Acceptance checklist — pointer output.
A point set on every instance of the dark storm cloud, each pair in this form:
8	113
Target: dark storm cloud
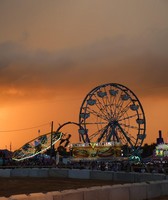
18	63
140	63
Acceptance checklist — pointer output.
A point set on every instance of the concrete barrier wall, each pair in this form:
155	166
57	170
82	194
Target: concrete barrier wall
138	191
56	172
124	176
99	175
131	177
20	172
141	177
80	174
133	191
5	172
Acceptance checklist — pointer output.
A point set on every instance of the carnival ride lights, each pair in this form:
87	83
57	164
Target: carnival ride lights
161	150
36	146
111	115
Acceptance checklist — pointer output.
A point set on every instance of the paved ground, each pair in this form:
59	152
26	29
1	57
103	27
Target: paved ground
11	186
160	198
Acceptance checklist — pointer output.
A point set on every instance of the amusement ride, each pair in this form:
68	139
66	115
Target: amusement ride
111	117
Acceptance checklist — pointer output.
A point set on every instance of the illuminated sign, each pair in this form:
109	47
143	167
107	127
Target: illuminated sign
94	150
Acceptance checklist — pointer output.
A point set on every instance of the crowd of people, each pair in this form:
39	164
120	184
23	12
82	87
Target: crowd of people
104	164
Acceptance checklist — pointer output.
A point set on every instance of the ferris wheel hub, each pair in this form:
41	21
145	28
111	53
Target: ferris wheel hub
113	122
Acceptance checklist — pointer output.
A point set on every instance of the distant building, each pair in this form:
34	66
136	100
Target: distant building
159	140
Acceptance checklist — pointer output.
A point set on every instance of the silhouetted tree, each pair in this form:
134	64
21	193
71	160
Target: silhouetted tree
148	150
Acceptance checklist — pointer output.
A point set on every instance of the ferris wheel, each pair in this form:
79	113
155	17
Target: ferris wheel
112	113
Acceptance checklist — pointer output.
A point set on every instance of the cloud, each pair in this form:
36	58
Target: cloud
139	63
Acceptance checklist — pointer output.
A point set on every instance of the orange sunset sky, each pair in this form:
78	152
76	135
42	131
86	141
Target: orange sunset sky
52	53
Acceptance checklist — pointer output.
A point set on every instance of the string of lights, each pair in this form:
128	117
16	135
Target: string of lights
23	129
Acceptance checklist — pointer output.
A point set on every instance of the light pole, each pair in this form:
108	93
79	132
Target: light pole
51	148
